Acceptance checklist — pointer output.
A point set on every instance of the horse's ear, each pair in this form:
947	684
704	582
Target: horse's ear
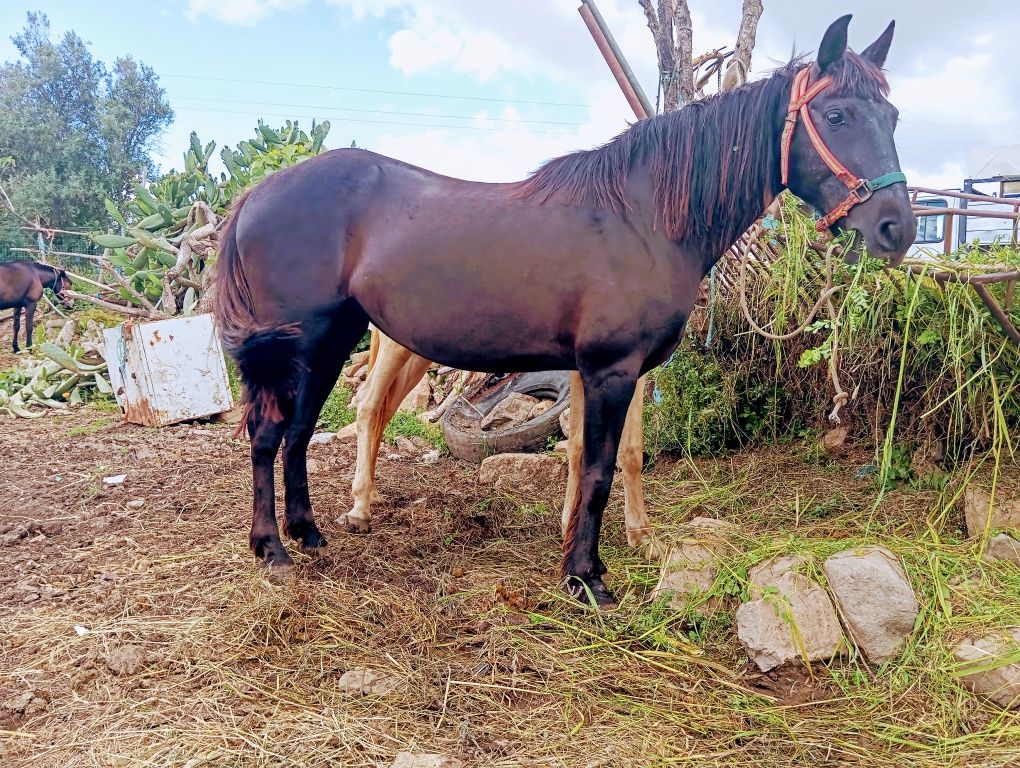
878	50
833	43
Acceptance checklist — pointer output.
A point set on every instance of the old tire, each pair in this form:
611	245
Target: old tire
466	439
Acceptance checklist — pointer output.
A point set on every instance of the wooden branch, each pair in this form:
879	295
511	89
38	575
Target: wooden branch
108	269
993	306
683	70
740	64
125	310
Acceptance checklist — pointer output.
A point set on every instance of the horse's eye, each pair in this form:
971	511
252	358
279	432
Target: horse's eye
834	117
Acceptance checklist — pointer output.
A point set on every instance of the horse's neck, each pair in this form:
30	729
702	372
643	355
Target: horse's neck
46	273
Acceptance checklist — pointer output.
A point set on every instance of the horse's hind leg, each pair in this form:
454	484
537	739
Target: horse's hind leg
384	385
325	357
17	327
639	530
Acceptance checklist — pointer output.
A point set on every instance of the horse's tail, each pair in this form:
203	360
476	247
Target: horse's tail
267	356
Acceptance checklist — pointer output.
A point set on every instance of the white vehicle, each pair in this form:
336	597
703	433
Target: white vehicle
984	211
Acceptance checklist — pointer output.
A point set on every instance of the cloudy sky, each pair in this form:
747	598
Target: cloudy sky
488	89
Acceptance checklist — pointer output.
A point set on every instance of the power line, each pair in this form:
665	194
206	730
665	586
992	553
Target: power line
377	90
374	111
375	122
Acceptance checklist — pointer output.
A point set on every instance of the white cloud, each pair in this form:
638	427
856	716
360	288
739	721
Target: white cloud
490	155
246	13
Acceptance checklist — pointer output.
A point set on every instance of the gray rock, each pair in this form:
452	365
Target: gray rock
790	616
771	573
512	411
983	515
992	677
412	760
1003	547
431	457
561	446
793	621
125	660
321	438
691	566
348	434
565	422
875	599
522	472
367	682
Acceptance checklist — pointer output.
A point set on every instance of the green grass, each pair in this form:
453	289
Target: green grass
337	413
409	425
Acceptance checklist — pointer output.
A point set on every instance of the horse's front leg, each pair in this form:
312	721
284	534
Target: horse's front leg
607	396
17	327
29	324
380	388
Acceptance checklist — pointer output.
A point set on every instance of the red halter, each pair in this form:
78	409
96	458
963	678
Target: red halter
800	95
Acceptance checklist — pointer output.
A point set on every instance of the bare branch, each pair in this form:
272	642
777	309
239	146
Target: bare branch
740	65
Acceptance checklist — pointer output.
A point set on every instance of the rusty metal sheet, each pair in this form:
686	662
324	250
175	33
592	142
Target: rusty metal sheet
167	371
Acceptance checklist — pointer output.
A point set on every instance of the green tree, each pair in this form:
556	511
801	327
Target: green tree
78	132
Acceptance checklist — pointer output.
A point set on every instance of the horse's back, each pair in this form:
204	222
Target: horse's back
18	285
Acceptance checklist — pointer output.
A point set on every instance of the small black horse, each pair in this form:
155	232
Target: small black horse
592	264
21	286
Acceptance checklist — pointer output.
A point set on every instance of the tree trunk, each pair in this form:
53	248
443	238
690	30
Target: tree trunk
739	66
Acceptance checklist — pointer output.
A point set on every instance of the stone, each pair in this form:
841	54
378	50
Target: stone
982	515
539	408
691	566
1003	547
366	682
794	620
992	676
565	422
562	446
412	760
322	438
135	504
20	702
834	438
512	411
875	599
348	434
775	573
431	457
417	399
314	466
125	660
519	473
413	444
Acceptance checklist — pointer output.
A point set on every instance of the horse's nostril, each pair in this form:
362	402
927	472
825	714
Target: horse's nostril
890	233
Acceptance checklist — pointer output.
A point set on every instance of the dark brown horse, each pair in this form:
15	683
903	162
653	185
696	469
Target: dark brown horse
593	263
21	286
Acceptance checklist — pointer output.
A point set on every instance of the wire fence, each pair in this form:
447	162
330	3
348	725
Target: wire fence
18	244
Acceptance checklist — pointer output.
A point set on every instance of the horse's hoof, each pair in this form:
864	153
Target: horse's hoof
592	592
307	534
271	553
356	524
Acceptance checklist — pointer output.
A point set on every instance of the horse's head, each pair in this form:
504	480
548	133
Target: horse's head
838	149
63	282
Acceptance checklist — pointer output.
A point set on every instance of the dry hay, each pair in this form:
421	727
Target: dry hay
453	598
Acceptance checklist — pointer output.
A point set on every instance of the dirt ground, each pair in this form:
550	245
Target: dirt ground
135	628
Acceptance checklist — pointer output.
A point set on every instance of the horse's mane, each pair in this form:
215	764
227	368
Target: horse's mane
709	162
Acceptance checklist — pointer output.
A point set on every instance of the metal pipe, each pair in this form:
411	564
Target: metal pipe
614	58
1011	201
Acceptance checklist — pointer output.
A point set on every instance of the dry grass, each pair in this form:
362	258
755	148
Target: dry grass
453	596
